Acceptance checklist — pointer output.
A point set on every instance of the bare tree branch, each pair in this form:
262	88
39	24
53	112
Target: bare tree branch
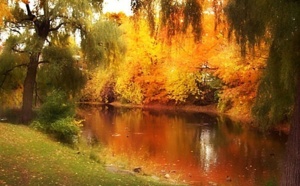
14	30
31	17
57	27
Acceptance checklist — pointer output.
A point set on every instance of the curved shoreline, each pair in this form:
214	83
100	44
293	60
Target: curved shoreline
185	108
212	109
208	109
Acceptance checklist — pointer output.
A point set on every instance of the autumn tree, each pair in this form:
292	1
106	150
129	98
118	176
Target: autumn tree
275	23
34	29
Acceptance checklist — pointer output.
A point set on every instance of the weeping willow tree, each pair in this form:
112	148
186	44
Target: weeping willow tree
103	45
276	23
175	16
37	31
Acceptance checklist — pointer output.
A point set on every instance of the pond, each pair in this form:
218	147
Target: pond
197	148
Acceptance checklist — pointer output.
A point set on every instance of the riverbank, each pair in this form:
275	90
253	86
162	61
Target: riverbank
28	157
246	118
209	109
188	108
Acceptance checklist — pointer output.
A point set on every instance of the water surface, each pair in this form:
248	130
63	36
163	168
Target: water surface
197	148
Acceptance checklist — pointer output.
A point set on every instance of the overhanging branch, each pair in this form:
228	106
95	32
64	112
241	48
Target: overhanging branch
15	30
6	73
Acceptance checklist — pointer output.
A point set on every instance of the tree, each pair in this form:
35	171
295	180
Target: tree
105	42
44	23
275	23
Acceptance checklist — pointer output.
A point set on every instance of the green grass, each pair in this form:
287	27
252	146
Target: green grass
28	157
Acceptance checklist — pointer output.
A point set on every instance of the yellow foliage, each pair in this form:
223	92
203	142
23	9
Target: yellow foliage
97	88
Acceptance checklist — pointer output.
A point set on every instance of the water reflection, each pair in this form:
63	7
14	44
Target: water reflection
200	147
207	155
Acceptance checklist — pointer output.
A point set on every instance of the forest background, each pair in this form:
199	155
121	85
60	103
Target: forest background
134	63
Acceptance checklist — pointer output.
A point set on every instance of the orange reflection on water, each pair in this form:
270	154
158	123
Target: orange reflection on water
197	148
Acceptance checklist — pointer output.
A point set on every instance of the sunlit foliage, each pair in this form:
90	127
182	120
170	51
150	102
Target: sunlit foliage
240	78
181	85
153	71
4	11
100	87
172	52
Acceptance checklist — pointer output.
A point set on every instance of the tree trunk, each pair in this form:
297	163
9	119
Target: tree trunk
42	29
29	82
291	169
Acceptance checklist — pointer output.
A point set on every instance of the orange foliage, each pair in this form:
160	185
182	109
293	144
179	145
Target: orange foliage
240	78
163	69
4	11
151	64
26	1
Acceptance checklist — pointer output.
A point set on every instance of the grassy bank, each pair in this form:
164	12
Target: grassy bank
28	157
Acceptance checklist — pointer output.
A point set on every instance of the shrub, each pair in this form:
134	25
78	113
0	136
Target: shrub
66	130
56	107
56	117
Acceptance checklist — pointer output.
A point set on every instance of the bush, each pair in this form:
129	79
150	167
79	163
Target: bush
56	117
56	107
66	130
